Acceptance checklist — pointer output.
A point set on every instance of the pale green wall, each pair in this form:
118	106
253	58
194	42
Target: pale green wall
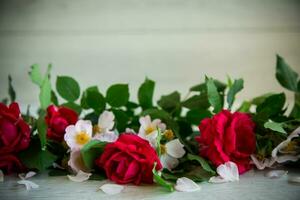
173	42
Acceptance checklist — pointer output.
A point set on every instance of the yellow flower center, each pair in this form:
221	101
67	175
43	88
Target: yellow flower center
163	149
169	135
97	129
149	129
290	147
82	138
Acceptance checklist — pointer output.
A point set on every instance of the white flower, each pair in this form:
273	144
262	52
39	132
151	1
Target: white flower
80	176
79	134
170	152
288	149
76	162
28	184
228	172
103	128
186	185
148	129
262	164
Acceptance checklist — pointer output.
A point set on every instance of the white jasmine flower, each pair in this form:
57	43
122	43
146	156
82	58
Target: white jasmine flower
186	185
79	134
148	129
287	150
170	152
103	130
80	176
228	172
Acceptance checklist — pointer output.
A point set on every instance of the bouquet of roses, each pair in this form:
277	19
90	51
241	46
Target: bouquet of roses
174	142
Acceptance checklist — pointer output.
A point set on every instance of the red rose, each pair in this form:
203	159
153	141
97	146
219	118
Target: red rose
14	132
129	160
228	137
57	119
10	163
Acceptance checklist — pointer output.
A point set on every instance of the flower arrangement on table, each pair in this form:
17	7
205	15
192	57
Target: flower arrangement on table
175	143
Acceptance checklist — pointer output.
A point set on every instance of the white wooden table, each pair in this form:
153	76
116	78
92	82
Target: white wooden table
252	185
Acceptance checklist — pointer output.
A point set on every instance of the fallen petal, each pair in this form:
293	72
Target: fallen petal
111	189
294	179
186	185
28	184
276	173
28	175
217	179
228	171
57	166
80	176
1	176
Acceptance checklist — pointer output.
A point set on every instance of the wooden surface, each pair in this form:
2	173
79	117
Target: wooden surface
252	185
175	42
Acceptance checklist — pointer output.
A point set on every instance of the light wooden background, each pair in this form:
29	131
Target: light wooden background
175	42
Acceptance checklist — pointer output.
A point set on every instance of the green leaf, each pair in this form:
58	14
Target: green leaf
11	91
202	162
213	96
285	75
260	99
196	102
67	88
121	119
117	95
91	151
54	99
296	109
245	107
94	99
236	87
35	75
275	127
42	130
36	158
202	87
73	106
272	106
45	93
159	180
145	94
197	115
170	102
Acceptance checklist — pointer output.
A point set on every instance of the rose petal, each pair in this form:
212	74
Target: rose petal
80	176
186	185
1	176
276	173
175	148
111	189
228	171
294	179
106	120
28	184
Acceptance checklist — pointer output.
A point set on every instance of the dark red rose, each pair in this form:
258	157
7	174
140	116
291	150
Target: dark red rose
228	137
10	163
57	119
130	159
14	132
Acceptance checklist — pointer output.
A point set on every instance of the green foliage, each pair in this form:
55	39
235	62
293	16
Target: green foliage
117	95
92	98
159	180
197	102
145	94
77	108
91	151
42	129
67	88
202	162
170	102
278	127
11	91
214	97
237	86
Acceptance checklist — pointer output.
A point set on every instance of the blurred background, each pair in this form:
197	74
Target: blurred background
174	42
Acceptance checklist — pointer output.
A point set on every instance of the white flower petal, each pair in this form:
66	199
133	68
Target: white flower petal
57	166
276	173
84	126
145	121
129	130
217	179
168	162
159	124
106	120
175	148
285	158
186	185
29	174
106	137
295	133
267	162
294	179
76	162
111	189
28	184
228	171
80	176
1	176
